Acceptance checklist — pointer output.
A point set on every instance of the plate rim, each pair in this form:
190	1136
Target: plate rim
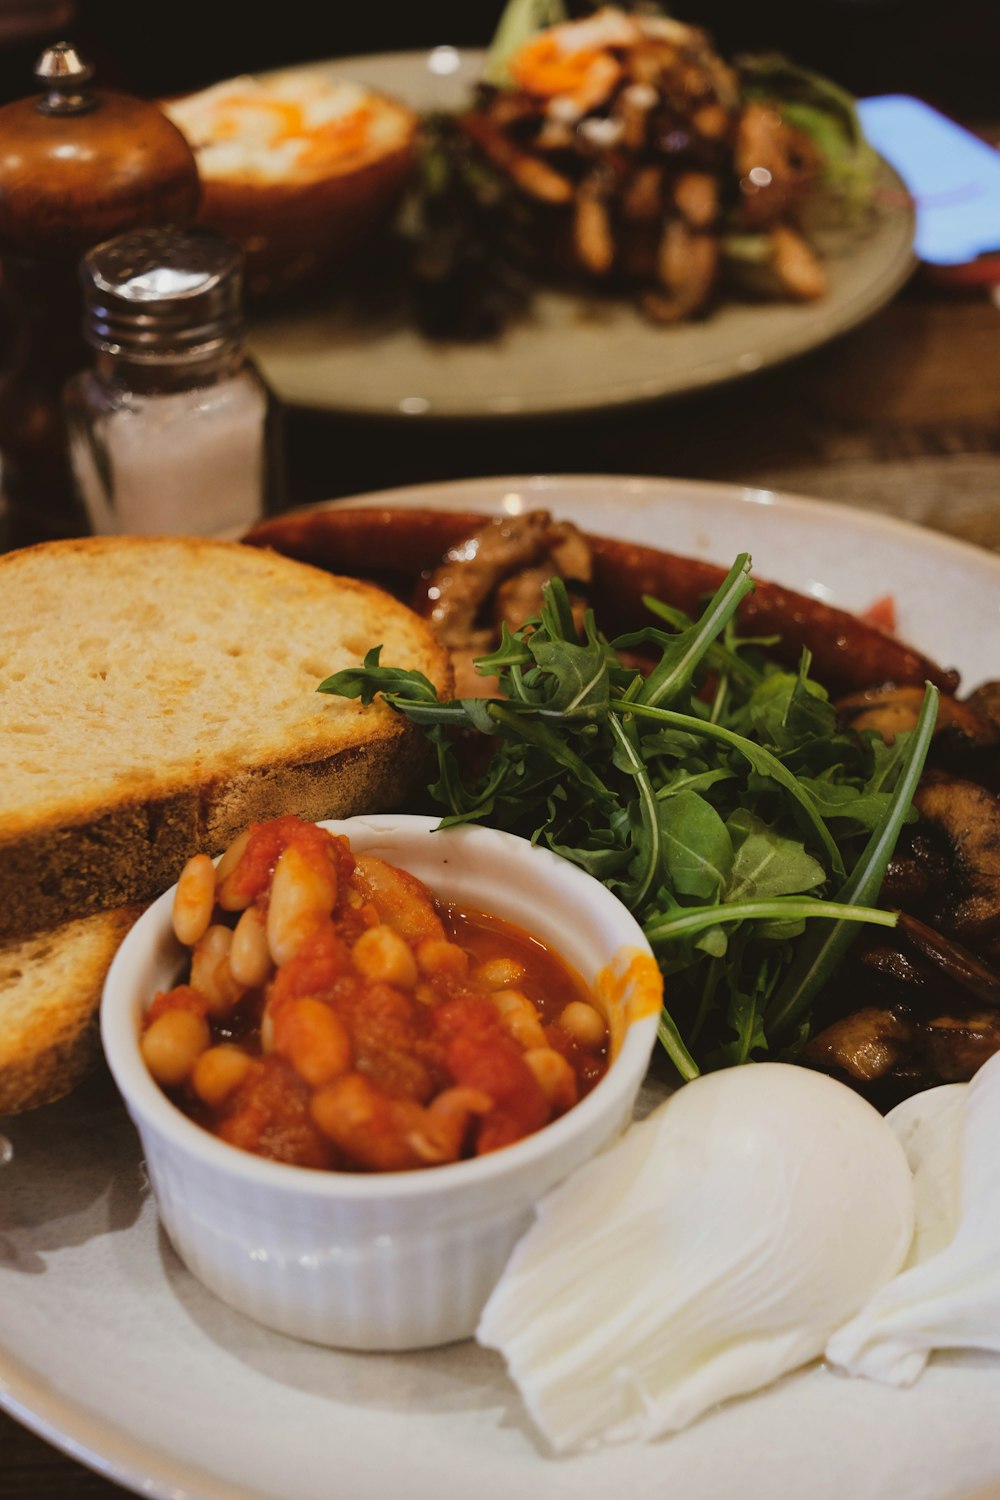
98	1441
712	489
106	1448
862	305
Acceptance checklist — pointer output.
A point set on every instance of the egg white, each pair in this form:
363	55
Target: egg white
948	1294
716	1246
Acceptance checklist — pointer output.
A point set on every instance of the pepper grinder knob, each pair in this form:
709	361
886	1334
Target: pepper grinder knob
79	165
64	74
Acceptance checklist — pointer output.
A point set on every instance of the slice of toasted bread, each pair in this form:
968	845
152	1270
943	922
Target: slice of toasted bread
159	693
50	991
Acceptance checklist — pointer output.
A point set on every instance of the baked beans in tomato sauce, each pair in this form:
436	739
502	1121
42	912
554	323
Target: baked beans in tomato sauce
338	1015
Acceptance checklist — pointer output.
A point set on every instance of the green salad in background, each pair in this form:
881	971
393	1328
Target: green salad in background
613	151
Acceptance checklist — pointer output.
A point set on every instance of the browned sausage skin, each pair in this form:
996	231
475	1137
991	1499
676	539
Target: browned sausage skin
397	546
397	543
847	652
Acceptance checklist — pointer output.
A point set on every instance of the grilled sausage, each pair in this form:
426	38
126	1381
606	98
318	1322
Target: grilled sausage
397	546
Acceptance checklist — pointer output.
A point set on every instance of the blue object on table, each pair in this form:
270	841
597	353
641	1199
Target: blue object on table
953	176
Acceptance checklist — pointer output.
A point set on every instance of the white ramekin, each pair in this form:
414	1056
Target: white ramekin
394	1260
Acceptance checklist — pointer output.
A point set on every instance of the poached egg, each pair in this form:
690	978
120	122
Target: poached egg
947	1296
716	1246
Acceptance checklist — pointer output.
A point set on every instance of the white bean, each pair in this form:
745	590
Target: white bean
585	1024
554	1074
211	974
227	896
173	1044
299	894
194	899
519	1017
383	956
249	956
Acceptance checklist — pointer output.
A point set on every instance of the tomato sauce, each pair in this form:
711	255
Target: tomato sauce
339	1016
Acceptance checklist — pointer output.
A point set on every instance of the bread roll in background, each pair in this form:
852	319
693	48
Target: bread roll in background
299	168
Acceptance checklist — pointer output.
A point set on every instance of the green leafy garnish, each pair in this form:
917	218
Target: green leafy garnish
520	21
714	794
827	114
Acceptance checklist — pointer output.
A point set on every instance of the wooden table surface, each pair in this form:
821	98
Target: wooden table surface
901	416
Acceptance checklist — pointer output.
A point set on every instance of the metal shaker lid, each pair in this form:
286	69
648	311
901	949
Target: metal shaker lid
65	75
163	293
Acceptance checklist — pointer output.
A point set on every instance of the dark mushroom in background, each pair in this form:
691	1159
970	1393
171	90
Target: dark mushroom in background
639	163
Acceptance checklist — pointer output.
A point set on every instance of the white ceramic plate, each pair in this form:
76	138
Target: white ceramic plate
574	354
111	1350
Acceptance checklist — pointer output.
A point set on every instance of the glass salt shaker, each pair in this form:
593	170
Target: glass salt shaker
173	429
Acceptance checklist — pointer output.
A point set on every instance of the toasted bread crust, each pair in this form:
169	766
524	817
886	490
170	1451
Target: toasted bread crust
133	853
50	993
111	821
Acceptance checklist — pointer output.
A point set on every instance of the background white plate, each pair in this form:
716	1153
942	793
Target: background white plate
110	1349
574	353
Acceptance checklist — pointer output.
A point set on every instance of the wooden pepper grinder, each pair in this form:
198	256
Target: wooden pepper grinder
77	166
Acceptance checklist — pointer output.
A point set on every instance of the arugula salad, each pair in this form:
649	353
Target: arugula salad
710	789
